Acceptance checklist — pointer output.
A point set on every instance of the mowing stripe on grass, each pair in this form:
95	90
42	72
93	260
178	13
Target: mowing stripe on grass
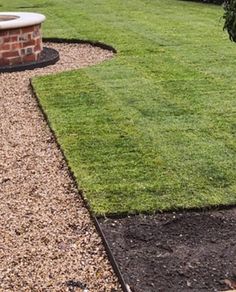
153	129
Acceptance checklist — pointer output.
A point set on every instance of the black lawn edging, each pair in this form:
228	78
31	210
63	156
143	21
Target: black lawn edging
210	2
51	56
48	57
123	284
78	41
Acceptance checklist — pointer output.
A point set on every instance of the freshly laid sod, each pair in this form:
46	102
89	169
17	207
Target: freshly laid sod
154	128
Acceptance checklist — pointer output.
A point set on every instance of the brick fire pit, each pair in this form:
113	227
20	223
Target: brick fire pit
21	41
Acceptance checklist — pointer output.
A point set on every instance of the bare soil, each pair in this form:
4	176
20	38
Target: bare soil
189	251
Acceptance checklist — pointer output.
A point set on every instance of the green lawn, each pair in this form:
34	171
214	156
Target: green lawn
154	128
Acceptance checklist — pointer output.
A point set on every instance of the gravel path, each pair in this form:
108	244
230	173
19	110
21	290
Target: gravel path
47	239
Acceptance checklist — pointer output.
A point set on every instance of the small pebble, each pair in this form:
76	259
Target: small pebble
38	201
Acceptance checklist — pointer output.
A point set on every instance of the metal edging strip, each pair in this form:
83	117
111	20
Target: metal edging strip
78	41
111	257
124	286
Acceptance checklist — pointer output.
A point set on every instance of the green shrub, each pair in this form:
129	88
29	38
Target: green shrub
217	2
230	18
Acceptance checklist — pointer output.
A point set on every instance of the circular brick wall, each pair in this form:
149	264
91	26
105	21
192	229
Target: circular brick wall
22	45
20	38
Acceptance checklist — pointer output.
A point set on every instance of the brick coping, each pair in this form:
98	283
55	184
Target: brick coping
20	19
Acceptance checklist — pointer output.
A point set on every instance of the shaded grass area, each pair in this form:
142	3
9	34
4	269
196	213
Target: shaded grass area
153	129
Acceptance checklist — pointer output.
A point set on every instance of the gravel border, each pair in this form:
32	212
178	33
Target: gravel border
48	241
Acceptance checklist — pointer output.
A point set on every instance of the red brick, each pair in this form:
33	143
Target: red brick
20	45
27	29
6	39
30	36
14	31
4	47
4	62
14	38
16	46
38	41
14	61
4	33
29	43
10	54
29	58
38	45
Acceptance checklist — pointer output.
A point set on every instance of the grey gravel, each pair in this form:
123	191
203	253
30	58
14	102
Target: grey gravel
47	239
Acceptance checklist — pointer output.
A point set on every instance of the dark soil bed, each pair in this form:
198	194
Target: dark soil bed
187	251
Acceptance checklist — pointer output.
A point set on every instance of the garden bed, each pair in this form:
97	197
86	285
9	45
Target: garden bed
190	251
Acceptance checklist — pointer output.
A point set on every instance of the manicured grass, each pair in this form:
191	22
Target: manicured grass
154	128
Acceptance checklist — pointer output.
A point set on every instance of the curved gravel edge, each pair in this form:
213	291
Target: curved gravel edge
48	241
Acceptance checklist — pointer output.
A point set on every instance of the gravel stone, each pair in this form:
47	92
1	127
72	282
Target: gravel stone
48	241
